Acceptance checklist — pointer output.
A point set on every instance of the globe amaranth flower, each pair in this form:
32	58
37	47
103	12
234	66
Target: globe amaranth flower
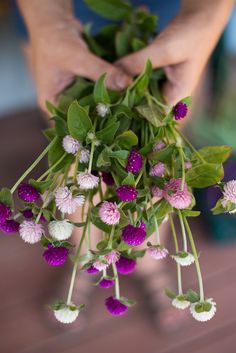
84	156
184	258
106	283
70	144
102	109
100	265
158	146
5	212
87	181
112	257
127	193
229	193
107	178
92	270
157	170
66	314
178	198
157	252
115	307
60	230
28	214
180	111
188	165
56	255
135	162
125	265
31	232
203	311
66	202
109	213
132	235
156	191
28	193
180	302
10	226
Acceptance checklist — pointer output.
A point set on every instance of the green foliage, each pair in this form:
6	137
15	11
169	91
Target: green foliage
214	154
115	10
79	122
6	197
204	175
100	92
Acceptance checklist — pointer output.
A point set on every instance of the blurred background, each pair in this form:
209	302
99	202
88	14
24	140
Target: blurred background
27	284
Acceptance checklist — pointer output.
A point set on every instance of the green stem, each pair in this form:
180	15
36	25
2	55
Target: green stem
156	223
109	245
52	167
91	158
117	285
197	264
76	166
114	177
139	176
179	274
164	106
33	165
182	166
185	247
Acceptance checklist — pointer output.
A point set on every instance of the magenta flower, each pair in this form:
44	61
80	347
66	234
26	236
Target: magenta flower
156	191
28	193
127	193
5	212
175	196
10	226
133	235
31	232
115	307
56	256
107	178
112	257
28	214
158	146
106	283
109	213
91	270
180	110
157	170
135	162
125	265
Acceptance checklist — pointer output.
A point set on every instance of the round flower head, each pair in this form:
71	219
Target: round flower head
65	201
125	265
203	311
115	307
87	181
175	196
106	283
91	270
112	257
56	256
127	193
66	315
28	193
102	109
28	214
135	162
158	146
180	302
157	170
133	235
109	213
157	252
180	110
188	165
229	192
184	258
156	191
100	265
70	144
10	226
84	156
5	212
107	178
31	232
60	230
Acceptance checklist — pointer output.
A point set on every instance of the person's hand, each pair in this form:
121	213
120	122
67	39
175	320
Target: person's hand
183	48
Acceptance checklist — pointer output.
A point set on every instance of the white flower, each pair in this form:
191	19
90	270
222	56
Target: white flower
31	232
184	258
70	144
66	315
87	181
157	252
100	265
65	201
203	311
60	230
180	303
102	109
84	156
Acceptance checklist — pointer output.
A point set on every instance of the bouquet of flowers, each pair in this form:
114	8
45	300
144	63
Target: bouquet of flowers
130	142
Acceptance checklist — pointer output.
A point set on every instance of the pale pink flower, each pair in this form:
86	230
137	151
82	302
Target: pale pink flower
157	170
229	192
156	191
87	181
84	156
100	265
188	165
175	196
109	213
159	146
65	201
31	232
157	252
112	257
70	144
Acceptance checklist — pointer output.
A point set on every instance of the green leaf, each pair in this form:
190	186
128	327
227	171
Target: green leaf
190	213
96	220
100	92
151	114
129	180
49	133
192	296
102	244
204	175
107	134
111	9
187	100
214	154
79	122
91	41
103	159
137	44
60	126
54	110
121	154
6	197
41	186
55	152
162	155
123	247
127	302
127	139
170	294
122	43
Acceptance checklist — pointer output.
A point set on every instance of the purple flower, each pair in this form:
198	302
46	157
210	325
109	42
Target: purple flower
109	213
115	307
10	226
56	256
28	193
180	110
106	283
133	235
107	178
92	270
178	198
157	170
5	212
28	214
127	193
135	162
125	265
